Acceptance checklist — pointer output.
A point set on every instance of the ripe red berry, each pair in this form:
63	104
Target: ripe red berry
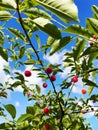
94	36
49	70
83	111
27	73
46	110
47	127
91	43
28	94
74	79
44	85
83	91
52	77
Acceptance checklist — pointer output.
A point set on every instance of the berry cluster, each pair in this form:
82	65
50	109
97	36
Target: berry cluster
52	77
92	40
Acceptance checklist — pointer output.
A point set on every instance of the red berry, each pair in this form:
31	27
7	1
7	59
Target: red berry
49	70
75	79
44	85
52	77
47	127
28	94
91	43
94	36
83	91
46	110
83	111
27	73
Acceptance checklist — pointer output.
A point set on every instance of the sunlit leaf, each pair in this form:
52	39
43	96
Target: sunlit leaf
65	10
46	26
90	89
95	9
30	62
78	49
5	15
36	12
24	117
21	52
11	110
78	30
90	50
38	89
17	33
92	25
59	44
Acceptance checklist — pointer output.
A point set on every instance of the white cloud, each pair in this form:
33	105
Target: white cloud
2	74
17	104
56	58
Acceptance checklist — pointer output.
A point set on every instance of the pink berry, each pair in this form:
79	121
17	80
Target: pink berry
28	94
94	36
46	110
75	79
52	77
47	127
27	73
49	70
83	111
45	85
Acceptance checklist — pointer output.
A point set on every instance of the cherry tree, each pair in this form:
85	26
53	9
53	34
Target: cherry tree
24	23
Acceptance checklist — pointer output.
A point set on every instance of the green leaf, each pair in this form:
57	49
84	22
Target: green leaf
5	126
24	117
38	40
14	85
90	89
17	33
92	56
36	12
90	50
78	30
92	25
3	54
8	4
46	26
95	9
65	10
78	49
50	41
5	15
21	52
59	44
30	62
28	4
29	26
38	89
2	37
30	110
11	110
90	83
19	76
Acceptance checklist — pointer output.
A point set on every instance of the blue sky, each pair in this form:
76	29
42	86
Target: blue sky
17	98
